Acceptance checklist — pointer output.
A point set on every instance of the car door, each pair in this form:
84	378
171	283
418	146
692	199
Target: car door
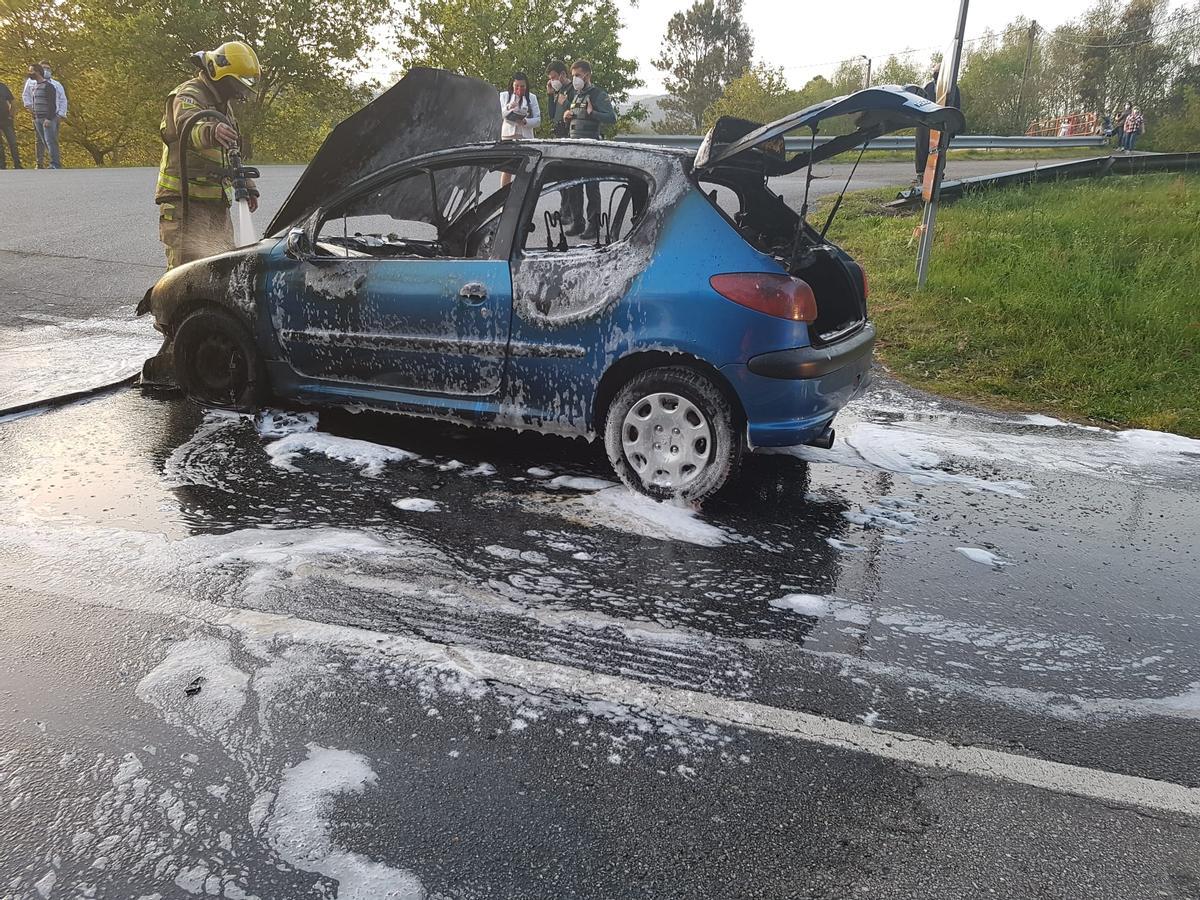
407	284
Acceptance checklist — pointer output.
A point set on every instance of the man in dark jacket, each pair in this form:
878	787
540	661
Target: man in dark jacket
590	109
559	94
6	128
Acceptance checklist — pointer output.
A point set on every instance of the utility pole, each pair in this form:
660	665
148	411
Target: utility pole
867	80
946	83
1033	28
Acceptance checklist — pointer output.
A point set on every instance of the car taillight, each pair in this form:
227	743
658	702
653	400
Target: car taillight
775	295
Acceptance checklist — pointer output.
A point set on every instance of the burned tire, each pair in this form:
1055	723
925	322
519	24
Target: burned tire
672	434
216	362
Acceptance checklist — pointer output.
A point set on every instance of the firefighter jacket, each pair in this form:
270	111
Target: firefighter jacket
204	161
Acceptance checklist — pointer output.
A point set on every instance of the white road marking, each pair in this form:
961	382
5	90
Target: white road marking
536	675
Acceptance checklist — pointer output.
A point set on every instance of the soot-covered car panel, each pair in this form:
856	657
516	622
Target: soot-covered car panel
456	283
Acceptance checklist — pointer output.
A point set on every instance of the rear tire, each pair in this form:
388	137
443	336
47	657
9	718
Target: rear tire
672	434
216	362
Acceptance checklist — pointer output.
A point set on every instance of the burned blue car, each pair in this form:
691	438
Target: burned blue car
422	266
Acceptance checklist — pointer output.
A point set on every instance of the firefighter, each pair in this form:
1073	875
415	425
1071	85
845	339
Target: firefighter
224	75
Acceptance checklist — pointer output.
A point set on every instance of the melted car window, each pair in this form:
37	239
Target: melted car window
449	212
584	206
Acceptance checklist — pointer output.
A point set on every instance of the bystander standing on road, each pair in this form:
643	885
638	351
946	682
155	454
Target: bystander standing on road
61	97
27	101
559	94
1119	123
520	114
45	117
1135	124
6	127
589	110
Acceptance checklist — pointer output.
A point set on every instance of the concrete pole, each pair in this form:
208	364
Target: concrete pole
1033	27
929	217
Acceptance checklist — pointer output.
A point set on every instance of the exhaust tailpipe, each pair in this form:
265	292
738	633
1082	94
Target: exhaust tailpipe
824	440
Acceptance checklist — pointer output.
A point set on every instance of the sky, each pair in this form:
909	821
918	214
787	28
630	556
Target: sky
808	38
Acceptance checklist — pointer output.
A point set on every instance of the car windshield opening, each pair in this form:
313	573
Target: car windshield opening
451	211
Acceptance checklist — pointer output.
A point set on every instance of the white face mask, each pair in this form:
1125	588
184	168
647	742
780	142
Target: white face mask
578	83
555	84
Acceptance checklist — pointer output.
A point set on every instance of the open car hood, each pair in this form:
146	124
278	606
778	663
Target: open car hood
878	110
427	110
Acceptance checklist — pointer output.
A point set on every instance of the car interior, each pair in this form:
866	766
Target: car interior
445	212
623	194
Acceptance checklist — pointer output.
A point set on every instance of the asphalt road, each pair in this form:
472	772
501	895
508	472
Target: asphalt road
357	656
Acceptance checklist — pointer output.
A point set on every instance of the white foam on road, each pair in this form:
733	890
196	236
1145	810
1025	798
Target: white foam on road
981	556
371	458
417	504
300	829
280	423
196	686
69	355
580	483
622	510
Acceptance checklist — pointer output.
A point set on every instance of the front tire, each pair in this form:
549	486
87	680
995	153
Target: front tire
672	434
216	362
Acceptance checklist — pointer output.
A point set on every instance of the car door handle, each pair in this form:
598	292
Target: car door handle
473	292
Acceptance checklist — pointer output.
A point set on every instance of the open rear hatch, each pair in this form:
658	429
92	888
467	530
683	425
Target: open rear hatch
741	155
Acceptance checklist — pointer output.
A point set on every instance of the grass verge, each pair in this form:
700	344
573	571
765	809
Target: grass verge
1080	298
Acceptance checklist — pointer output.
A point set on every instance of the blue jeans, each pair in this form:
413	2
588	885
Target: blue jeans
1128	138
47	130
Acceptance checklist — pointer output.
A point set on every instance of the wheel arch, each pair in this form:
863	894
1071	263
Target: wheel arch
639	361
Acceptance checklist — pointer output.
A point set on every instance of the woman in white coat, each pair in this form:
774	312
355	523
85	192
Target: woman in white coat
519	112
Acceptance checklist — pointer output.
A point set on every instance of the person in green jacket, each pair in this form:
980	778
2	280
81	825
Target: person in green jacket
589	110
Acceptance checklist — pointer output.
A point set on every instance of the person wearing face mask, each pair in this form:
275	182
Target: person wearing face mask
589	110
225	75
559	94
520	114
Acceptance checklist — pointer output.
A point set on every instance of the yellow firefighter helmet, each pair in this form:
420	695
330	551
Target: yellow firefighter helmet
233	59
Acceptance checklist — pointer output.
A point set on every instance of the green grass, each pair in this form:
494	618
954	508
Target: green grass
1080	298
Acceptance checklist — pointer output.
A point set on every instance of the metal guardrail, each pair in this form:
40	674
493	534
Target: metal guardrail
896	141
1136	164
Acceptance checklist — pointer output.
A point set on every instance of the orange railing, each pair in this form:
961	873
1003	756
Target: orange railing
1066	126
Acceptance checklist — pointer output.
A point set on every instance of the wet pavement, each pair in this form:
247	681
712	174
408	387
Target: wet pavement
322	654
952	656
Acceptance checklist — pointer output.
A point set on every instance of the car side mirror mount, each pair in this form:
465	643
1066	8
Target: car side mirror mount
298	244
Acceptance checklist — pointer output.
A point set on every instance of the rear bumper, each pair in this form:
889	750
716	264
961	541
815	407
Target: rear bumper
785	410
814	362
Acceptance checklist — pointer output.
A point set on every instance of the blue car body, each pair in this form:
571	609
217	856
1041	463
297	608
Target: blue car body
530	338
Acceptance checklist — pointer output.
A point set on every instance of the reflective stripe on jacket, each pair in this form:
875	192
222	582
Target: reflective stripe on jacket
205	158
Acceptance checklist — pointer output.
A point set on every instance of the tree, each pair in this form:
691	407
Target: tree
705	48
991	81
898	71
118	61
492	40
760	94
